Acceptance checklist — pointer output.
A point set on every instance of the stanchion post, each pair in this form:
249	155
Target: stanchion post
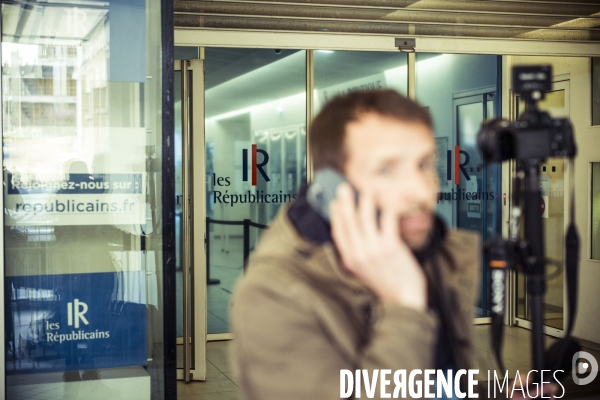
209	281
246	241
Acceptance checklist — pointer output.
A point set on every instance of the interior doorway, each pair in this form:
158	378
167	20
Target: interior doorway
250	133
553	182
246	124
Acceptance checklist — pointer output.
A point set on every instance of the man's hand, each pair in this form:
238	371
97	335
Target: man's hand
375	253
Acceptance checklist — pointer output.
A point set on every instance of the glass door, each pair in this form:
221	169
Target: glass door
461	91
255	159
553	177
189	217
84	251
474	208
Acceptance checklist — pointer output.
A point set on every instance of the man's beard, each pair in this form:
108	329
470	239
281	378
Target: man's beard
416	229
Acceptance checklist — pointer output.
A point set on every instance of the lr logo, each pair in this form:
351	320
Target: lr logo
458	166
255	165
75	313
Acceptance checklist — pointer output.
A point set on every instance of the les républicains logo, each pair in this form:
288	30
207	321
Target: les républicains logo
76	311
250	161
256	166
457	162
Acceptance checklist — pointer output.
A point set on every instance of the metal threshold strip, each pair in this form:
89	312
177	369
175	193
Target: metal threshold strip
405	9
386	22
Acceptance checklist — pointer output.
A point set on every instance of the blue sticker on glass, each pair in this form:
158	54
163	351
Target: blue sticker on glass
76	321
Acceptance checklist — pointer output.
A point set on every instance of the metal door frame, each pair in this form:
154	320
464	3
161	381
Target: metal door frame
208	37
2	304
310	41
559	82
473	96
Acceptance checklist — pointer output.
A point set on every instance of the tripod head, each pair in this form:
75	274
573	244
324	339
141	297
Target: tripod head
535	135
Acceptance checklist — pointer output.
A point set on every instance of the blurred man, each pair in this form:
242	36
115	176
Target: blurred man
385	285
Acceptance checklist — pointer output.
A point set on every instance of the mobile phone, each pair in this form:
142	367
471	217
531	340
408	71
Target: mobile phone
322	190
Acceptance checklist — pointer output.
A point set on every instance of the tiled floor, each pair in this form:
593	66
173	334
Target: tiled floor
220	384
226	261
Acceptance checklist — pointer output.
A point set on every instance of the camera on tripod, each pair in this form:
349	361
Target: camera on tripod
530	140
535	135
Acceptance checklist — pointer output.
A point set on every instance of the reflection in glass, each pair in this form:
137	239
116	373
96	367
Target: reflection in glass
340	72
460	92
255	105
82	183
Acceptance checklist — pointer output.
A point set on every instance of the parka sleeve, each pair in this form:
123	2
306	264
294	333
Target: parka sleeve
282	350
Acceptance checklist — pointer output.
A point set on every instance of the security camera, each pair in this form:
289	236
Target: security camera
406	45
277	51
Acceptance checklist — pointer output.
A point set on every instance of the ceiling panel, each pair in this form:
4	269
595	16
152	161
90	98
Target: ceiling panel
506	19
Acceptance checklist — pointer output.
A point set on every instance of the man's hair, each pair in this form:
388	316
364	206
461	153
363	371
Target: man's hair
328	129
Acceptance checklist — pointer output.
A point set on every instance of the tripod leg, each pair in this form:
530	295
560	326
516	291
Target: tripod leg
536	284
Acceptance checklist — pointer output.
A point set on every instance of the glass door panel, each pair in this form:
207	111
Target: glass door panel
83	226
469	118
255	157
552	186
478	186
460	91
